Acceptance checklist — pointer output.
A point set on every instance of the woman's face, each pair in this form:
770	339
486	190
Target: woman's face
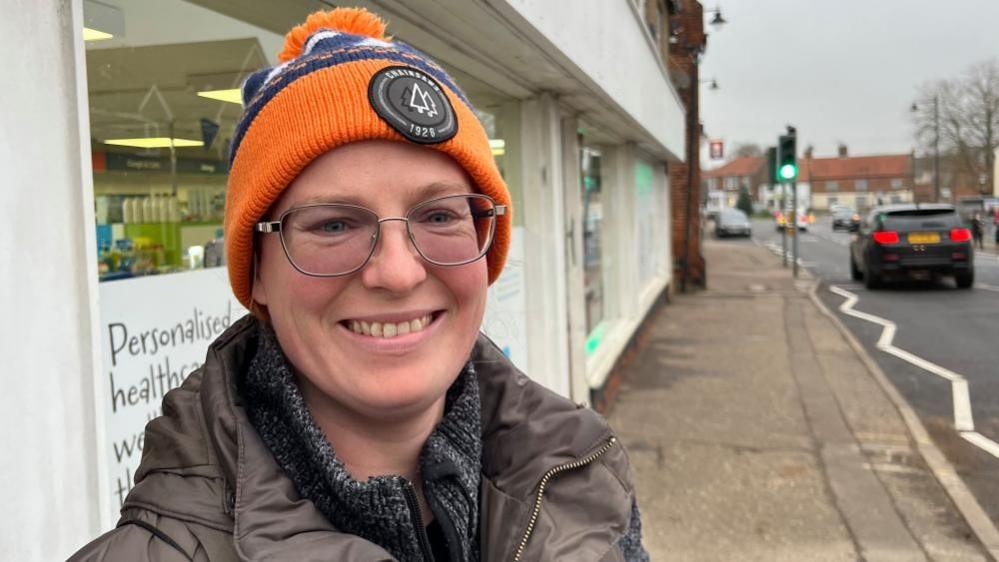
377	377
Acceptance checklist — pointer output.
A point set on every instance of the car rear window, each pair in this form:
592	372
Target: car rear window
921	219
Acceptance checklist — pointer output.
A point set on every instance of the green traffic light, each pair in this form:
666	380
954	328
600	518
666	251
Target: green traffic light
788	171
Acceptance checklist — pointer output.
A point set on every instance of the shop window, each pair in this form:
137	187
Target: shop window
593	215
649	216
163	80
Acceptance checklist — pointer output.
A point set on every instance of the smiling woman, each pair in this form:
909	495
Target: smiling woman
358	413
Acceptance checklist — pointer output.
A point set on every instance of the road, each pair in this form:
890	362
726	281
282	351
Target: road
943	327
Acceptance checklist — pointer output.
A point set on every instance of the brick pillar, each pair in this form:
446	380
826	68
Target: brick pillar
685	179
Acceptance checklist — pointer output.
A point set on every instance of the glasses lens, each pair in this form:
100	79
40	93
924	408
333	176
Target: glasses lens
329	239
453	230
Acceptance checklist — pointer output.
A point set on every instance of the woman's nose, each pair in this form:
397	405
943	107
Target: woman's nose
396	265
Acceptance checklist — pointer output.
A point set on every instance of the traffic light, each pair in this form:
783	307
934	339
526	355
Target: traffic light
772	166
787	165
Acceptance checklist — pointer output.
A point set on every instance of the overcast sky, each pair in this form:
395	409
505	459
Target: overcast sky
851	74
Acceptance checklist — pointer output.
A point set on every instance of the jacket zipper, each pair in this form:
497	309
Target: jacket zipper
552	473
409	491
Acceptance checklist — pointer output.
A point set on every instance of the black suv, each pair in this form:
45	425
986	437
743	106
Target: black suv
904	240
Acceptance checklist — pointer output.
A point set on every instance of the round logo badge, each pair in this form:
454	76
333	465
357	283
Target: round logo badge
413	103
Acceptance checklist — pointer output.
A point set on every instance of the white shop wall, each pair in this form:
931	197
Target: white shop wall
48	290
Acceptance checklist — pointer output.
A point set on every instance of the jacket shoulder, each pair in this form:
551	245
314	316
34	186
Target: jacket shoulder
144	536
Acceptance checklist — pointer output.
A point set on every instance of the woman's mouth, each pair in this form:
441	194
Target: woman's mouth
388	330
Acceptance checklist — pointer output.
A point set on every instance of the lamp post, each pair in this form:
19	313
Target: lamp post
936	145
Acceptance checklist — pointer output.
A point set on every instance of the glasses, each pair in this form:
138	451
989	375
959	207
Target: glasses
338	239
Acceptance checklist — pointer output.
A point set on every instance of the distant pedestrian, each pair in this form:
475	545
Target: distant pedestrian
977	230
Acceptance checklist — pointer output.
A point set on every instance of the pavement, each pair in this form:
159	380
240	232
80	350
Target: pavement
758	431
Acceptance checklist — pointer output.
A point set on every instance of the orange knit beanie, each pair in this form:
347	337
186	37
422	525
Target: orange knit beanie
333	86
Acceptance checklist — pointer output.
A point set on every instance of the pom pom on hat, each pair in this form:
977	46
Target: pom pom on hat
357	21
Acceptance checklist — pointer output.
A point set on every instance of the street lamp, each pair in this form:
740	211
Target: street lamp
936	144
717	21
712	83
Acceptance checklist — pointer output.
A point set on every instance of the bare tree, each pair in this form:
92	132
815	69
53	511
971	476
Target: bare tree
968	116
745	149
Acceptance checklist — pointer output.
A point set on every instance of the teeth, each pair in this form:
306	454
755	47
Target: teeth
388	329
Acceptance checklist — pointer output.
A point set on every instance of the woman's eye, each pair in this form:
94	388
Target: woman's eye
440	217
333	226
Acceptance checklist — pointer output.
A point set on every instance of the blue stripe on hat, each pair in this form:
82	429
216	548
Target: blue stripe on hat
258	91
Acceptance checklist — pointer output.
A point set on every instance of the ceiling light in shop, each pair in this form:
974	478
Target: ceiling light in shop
95	35
154	142
102	21
498	146
232	96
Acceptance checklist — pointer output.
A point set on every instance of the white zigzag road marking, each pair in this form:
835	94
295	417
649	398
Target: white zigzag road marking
963	420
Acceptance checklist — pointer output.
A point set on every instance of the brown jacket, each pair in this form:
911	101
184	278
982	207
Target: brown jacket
208	488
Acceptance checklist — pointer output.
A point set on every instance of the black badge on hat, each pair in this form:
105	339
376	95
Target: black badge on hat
413	103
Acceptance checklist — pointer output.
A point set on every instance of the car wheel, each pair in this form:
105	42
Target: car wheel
964	280
872	281
855	273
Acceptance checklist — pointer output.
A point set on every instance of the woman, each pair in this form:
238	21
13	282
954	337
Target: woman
357	414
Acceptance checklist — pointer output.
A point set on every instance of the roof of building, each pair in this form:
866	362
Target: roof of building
855	167
742	166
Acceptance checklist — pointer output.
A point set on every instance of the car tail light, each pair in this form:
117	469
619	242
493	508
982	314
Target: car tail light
890	257
958	256
960	234
885	236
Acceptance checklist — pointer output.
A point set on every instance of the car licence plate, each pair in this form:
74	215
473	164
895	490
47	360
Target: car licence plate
924	238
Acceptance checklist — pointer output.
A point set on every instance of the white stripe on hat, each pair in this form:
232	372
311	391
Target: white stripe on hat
317	37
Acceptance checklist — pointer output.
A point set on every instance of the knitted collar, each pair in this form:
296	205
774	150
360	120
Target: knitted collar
378	509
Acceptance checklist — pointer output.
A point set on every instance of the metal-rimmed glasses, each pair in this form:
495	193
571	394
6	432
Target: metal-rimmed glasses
331	240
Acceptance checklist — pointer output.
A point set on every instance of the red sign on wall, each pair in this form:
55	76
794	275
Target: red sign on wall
717	149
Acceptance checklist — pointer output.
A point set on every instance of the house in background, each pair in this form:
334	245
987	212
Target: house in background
724	183
860	182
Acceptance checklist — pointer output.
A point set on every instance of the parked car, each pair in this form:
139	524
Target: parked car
900	241
804	219
843	217
732	222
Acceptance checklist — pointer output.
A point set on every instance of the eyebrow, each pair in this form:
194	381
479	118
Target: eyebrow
419	194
